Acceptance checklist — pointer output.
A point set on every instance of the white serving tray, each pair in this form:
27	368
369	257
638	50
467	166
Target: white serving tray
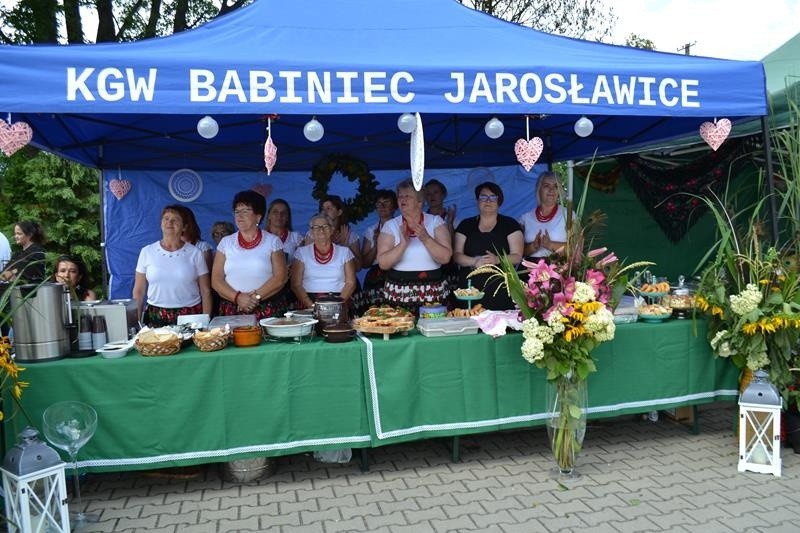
442	327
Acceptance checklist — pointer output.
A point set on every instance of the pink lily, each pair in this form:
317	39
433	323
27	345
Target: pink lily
607	260
542	273
595	279
597	252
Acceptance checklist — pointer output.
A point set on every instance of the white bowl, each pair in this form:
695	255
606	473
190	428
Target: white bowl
288	327
116	352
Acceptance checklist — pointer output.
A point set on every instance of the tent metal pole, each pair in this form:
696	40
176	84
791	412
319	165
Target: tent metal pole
773	206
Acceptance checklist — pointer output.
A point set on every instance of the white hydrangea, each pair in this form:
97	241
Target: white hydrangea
599	320
583	293
717	338
554	321
746	301
529	328
725	349
607	334
545	334
532	350
757	361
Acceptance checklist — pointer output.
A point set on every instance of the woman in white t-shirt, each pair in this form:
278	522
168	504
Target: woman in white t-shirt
279	223
171	275
322	268
545	228
191	234
413	247
250	266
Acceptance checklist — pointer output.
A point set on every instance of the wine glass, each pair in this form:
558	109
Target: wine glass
69	425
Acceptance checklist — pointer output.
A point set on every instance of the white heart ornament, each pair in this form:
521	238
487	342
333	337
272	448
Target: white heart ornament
715	133
14	136
528	152
270	155
119	188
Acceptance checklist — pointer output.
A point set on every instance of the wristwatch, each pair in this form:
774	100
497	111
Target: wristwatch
258	297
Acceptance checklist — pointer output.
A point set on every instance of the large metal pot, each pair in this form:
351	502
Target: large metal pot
42	316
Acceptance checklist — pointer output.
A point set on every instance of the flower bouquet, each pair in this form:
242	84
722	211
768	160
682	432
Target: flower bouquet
751	294
566	303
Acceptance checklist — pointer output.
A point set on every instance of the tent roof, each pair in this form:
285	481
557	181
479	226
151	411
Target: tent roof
136	105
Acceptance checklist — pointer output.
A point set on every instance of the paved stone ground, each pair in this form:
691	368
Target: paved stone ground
636	476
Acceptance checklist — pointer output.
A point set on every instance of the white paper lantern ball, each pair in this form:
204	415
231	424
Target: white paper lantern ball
207	127
407	123
583	127
313	130
494	128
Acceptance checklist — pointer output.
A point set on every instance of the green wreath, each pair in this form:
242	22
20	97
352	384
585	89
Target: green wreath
358	208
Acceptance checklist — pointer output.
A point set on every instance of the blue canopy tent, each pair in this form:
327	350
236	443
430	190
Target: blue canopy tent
355	65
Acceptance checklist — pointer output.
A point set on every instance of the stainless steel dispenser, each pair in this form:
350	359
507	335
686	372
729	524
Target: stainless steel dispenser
42	316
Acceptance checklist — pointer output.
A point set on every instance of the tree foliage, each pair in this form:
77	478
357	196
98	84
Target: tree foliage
61	196
584	19
637	41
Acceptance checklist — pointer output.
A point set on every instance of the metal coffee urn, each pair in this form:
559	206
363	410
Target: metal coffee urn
42	317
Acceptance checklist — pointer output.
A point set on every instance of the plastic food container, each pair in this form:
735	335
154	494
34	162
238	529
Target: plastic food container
433	311
442	327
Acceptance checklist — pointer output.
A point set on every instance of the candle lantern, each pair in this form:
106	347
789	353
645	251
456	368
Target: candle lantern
760	427
35	486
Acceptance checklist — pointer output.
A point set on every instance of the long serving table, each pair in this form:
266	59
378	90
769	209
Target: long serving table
279	399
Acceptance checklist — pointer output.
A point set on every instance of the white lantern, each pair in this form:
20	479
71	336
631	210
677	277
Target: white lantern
760	427
406	123
35	487
207	127
313	130
583	127
494	128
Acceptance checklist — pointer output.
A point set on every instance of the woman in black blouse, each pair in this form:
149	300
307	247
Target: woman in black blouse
28	262
479	241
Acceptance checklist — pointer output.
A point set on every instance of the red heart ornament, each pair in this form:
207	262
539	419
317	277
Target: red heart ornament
119	188
528	152
14	136
270	155
264	189
715	133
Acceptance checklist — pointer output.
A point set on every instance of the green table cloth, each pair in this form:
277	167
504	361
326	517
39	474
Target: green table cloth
421	387
278	398
195	407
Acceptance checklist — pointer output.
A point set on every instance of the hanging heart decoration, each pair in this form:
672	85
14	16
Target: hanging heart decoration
417	154
14	136
119	188
528	152
264	189
715	133
270	155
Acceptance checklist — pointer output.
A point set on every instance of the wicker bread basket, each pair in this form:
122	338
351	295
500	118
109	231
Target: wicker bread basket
211	343
166	347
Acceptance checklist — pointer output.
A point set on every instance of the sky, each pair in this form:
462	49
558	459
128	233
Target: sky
730	29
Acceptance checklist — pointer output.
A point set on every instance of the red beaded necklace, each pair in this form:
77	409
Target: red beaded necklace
321	258
249	245
545	218
409	232
284	234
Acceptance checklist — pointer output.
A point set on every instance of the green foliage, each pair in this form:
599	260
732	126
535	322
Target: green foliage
637	41
63	197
